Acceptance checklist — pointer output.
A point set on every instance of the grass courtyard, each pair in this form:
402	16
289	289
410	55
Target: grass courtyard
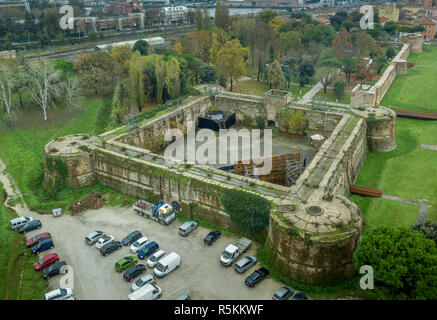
417	89
409	172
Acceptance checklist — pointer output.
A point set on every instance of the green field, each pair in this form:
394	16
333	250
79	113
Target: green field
18	280
256	88
330	96
417	89
408	172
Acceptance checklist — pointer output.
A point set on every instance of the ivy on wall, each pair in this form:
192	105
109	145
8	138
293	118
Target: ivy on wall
249	213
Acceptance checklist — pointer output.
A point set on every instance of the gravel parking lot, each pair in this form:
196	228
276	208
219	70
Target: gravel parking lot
200	274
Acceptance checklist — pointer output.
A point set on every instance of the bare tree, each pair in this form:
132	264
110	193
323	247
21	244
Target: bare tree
8	83
42	83
71	91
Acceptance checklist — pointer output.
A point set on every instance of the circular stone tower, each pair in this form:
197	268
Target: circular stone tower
381	125
314	243
68	159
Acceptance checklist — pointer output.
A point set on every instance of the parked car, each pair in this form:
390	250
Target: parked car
59	294
187	227
108	248
300	296
45	261
283	293
131	237
138	245
94	236
134	272
103	241
43	245
244	264
36	239
54	269
148	292
167	264
212	237
153	260
20	221
146	279
256	277
183	296
149	249
125	263
31	225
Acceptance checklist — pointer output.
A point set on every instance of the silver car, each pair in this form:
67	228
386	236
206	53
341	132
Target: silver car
283	293
94	236
244	264
187	227
146	279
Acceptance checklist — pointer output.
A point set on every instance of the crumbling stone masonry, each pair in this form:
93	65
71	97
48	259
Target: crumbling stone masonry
313	228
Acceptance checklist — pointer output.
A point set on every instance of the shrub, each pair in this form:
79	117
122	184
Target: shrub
338	89
249	213
247	120
297	122
260	122
428	229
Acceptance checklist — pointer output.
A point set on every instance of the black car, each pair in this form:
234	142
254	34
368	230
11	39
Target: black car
300	296
131	238
31	225
110	247
256	277
134	271
53	270
212	237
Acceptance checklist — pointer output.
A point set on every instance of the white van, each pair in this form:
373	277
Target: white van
147	292
18	222
167	265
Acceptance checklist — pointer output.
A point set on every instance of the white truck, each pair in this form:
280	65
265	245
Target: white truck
160	212
233	251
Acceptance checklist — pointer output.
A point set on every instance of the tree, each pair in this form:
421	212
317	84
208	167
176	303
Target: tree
177	47
276	24
349	65
230	60
122	54
275	76
207	74
249	213
8	84
221	16
327	72
142	47
197	44
267	15
159	66
71	91
206	21
219	38
338	89
173	78
403	260
306	71
291	43
428	229
198	19
342	44
42	83
98	72
135	84
297	123
390	52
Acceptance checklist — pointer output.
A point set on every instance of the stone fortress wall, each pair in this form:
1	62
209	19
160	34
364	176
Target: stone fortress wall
313	229
365	95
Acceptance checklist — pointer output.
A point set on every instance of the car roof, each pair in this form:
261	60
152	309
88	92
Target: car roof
283	290
159	253
142	239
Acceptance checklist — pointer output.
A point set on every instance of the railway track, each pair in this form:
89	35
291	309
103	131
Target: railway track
73	53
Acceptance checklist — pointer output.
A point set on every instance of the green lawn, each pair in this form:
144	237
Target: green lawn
330	96
408	172
256	88
418	89
18	280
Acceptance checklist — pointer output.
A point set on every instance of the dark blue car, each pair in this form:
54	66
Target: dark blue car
148	250
31	225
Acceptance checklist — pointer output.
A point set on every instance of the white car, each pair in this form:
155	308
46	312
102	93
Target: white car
153	260
59	294
146	279
104	240
138	245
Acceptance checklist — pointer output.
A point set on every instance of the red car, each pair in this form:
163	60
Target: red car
46	261
35	239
